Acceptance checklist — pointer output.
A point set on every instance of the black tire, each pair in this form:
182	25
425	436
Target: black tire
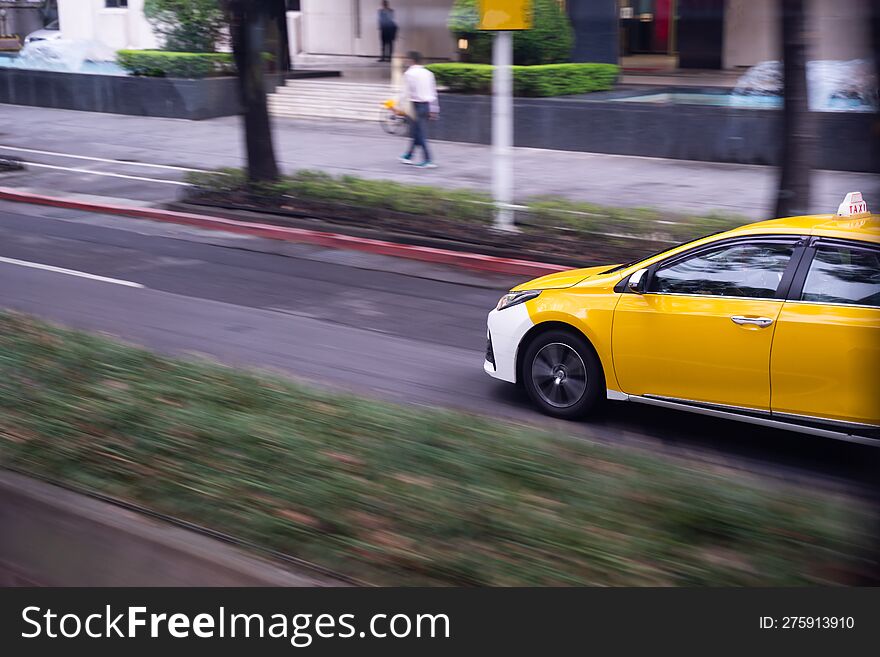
563	375
393	123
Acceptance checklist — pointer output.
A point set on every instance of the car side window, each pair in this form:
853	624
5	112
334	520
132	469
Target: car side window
746	269
844	275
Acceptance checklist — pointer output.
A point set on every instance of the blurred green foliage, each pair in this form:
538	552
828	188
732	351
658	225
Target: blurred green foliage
538	214
400	495
420	200
186	25
550	40
536	81
163	64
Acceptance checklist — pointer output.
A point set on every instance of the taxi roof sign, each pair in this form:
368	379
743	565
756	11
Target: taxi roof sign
852	205
502	15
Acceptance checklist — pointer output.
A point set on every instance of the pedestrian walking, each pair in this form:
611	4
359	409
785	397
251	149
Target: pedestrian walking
419	92
387	31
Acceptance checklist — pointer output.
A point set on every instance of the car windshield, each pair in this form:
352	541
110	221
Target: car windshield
656	253
52	26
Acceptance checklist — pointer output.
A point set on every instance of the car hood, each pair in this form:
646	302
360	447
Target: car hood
562	279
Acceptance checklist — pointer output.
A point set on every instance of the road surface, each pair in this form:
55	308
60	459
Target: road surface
405	331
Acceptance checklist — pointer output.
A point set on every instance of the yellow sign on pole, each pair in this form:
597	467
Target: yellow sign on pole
498	15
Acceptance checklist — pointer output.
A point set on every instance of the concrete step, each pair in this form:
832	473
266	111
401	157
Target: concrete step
338	114
374	110
326	111
353	112
324	103
308	116
329	102
330	99
295	114
377	100
329	84
307	93
335	92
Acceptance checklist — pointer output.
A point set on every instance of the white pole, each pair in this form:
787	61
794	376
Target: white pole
396	73
502	130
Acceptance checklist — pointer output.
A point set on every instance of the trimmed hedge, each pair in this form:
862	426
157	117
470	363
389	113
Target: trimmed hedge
536	81
162	64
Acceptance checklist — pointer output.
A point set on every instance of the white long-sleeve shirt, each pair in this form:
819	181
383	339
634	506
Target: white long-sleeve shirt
419	86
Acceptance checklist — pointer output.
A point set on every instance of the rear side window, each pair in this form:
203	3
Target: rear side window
844	275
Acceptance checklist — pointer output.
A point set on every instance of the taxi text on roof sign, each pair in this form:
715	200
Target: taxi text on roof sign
853	204
500	15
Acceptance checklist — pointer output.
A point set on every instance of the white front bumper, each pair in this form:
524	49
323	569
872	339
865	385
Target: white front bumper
506	329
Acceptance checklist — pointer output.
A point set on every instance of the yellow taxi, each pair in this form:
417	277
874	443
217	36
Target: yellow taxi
776	323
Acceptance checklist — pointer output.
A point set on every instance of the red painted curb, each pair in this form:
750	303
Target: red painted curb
474	261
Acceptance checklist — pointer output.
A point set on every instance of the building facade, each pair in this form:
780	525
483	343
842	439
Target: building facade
701	34
350	27
708	34
115	23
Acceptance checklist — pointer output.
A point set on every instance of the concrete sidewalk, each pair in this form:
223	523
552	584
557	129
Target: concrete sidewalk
58	537
363	150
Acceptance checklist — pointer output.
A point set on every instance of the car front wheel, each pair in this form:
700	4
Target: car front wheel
563	375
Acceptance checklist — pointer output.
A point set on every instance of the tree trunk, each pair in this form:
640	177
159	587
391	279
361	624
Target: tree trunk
248	20
793	197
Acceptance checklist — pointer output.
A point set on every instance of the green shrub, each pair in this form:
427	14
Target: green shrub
161	64
563	79
550	40
545	80
463	78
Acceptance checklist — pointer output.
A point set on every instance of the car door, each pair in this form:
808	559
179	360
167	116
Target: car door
826	350
703	328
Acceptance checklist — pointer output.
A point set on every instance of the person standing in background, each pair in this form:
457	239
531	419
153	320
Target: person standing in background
419	91
387	30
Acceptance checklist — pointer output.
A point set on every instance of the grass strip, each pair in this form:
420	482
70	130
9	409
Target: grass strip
544	213
399	495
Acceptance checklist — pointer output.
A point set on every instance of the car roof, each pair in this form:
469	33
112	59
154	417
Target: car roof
864	228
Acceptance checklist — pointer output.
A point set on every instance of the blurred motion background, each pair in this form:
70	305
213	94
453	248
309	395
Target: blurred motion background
184	404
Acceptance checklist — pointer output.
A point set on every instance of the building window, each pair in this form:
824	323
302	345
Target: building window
116	4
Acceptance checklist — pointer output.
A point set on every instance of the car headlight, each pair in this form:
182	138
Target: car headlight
514	298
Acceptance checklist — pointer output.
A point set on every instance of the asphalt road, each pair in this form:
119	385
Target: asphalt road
403	331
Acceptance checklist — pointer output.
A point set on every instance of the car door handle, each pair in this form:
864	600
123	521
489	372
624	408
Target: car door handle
762	322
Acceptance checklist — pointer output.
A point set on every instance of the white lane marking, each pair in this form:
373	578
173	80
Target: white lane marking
105	173
96	159
69	272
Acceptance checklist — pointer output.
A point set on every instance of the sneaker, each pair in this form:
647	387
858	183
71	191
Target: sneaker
406	159
427	165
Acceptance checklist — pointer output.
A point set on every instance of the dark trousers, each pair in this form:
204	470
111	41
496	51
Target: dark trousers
388	43
419	129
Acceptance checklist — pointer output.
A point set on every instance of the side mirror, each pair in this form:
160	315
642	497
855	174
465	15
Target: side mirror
636	282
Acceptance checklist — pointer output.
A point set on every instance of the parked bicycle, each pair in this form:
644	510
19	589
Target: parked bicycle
393	120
